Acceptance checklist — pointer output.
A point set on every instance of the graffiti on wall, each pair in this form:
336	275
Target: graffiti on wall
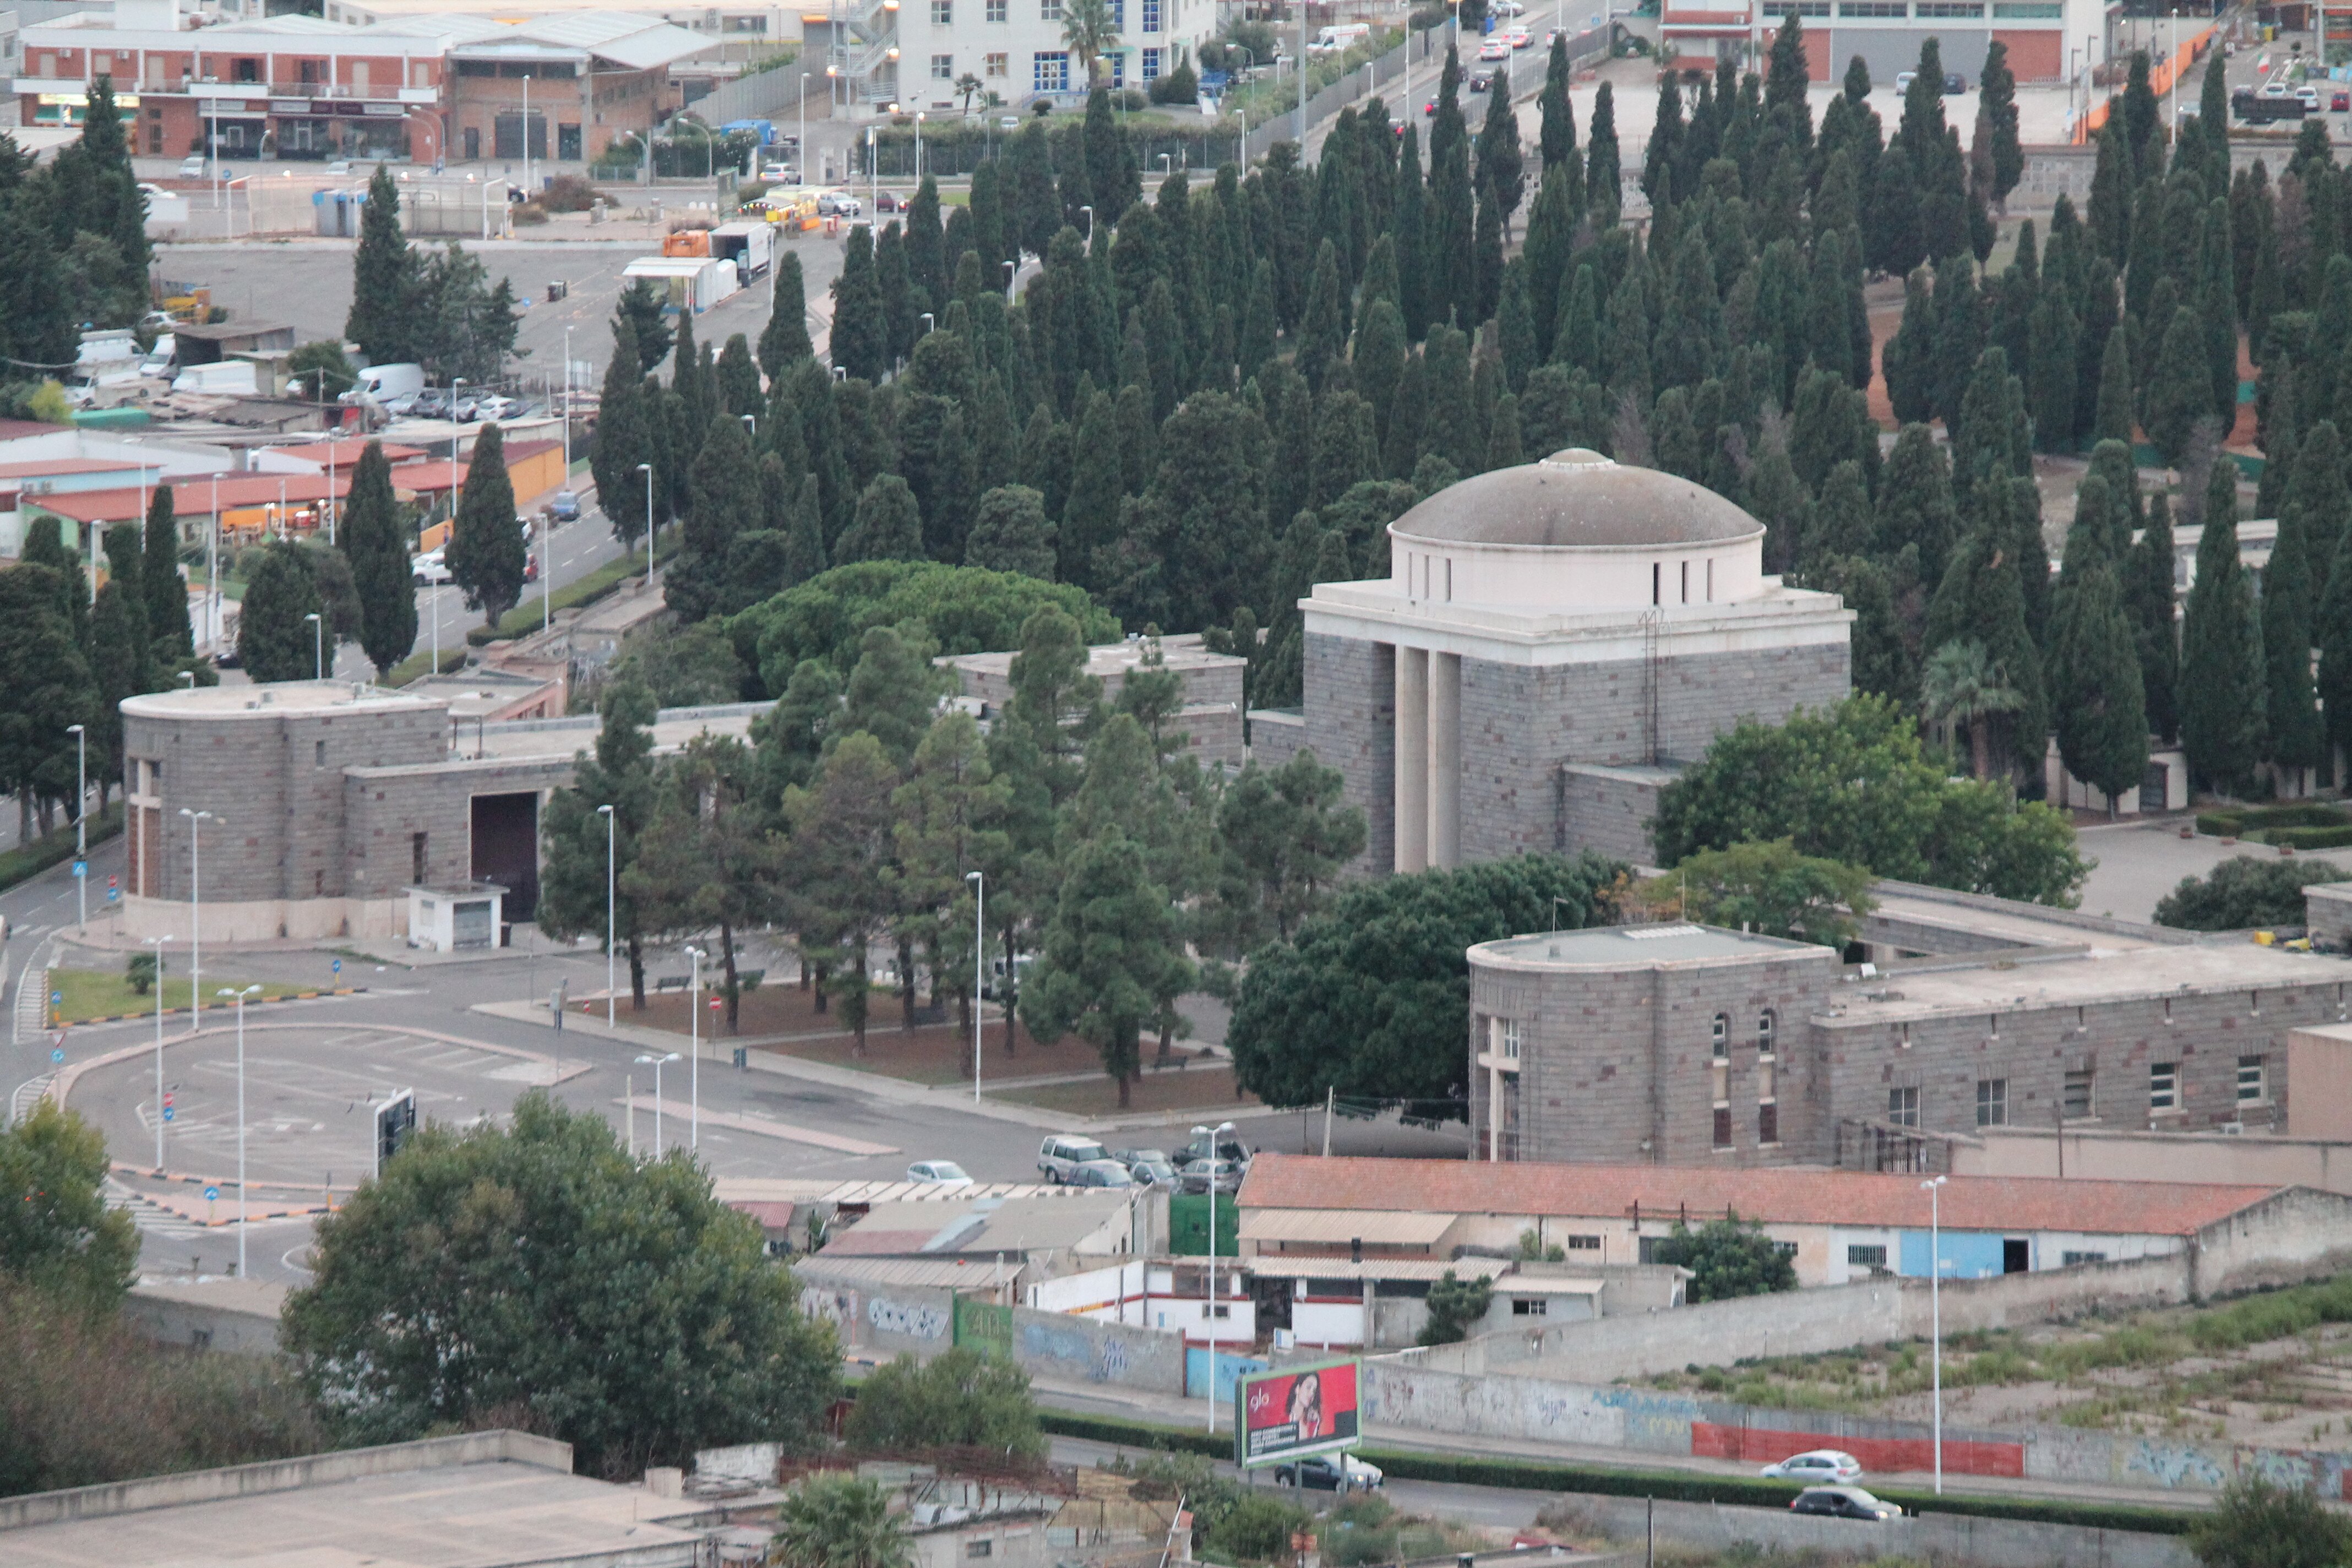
913	1320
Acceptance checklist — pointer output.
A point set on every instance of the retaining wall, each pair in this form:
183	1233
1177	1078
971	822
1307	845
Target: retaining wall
1400	1396
1054	1344
1937	1537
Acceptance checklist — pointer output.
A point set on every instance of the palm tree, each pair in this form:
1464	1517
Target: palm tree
1087	28
1962	684
971	87
833	1519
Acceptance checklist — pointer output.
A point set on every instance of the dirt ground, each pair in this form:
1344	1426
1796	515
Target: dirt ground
1206	1088
2272	1370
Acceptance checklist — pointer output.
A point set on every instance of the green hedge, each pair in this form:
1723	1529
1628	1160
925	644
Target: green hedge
1680	1486
2271	824
2310	838
30	861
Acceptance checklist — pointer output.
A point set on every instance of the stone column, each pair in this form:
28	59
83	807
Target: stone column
1412	759
1446	758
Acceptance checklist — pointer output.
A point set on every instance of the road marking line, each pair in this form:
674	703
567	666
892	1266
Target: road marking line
683	1114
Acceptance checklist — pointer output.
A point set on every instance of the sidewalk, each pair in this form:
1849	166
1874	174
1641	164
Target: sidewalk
1167	1410
875	1086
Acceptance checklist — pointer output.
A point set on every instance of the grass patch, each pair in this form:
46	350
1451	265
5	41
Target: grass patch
107	993
419	664
29	860
527	617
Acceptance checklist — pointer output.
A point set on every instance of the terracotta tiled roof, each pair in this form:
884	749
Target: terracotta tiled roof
1859	1198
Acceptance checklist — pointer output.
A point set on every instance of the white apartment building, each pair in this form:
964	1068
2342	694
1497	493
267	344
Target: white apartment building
912	52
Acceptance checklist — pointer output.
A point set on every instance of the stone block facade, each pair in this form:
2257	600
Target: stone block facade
1609	809
1351	687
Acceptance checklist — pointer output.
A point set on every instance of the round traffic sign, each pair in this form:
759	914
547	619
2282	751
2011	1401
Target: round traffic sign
167	1113
211	1193
57	1055
339	966
57	998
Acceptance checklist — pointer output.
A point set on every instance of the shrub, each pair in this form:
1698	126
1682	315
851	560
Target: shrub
959	1399
2256	1524
1182	85
1454	1306
526	214
2244	892
1258	1529
140	973
568	194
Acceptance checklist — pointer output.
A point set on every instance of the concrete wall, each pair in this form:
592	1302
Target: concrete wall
1070	1349
1932	1537
234	1317
2320	1060
1275	735
885	1320
2116	1154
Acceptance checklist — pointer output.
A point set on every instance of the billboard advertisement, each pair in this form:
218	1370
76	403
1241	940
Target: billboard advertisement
1295	1410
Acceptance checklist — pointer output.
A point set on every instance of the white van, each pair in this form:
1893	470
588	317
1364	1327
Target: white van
1332	41
382	383
231	376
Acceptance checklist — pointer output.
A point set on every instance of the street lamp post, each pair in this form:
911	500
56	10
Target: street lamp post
611	928
1214	1139
693	1049
81	808
800	150
979	961
318	647
1090	227
196	910
647	469
157	944
658	1062
1936	1314
240	996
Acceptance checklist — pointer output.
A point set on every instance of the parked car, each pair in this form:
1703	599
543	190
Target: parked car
1060	1156
1816	1465
1954	83
1842	1502
1199	1176
1229	1147
1101	1173
889	202
1506	8
565	507
2339	103
2308	96
2275	88
1430	107
1153	1172
838	203
1331	1473
429	568
938	1173
1903	80
433	403
191	167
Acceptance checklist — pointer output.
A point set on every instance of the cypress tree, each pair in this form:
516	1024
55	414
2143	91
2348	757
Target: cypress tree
1916	507
1997	100
1515	327
2097	701
1139	436
2115	416
1451	428
2148	601
2288	603
1411	245
120	668
486	551
274	641
803	535
2180	392
622	441
1323	331
1256	345
1378	359
1556	138
1577	341
860	340
1486	258
1627	352
686	379
1959	336
1603	174
784	340
2052	352
1551	236
1449	223
2111	189
2266	294
2333	633
2316	497
888	525
1840	523
2223	697
2280	437
726	505
1400	448
901	314
1909	357
370	537
1982	598
1502	165
1044	459
383	319
1090	519
2217	304
164	590
738	385
1503	440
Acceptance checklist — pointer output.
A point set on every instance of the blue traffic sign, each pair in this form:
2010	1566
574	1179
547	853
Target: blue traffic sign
339	966
167	1113
113	895
211	1193
57	1055
57	998
82	869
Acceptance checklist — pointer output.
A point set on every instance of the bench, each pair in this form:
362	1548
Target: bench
749	979
671	983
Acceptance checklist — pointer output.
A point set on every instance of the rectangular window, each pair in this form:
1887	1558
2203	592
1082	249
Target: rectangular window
2252	1085
2079	1102
1720	1076
1778	9
1992	1102
942	13
1151	16
1785	1248
2071	1259
1507	1037
319	760
1767	1027
1118	17
999	10
1865	9
944	68
2164	1086
1719	1039
1950	10
1865	1256
1051	72
1049	10
1523	1308
1151	73
1903	1106
1116	60
1723	1127
998	64
1768	1123
416	842
979	1548
1584	1244
2026	11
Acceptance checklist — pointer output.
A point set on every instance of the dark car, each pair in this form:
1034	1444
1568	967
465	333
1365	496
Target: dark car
1954	83
889	202
1842	1502
565	507
1429	108
2339	103
1481	80
1331	1473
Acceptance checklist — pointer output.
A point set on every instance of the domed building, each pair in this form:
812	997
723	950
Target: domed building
1550	643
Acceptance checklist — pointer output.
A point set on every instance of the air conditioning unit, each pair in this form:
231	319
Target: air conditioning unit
2235	1129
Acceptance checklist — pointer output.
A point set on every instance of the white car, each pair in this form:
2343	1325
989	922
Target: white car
1506	8
1816	1467
938	1173
429	568
1059	1157
1495	48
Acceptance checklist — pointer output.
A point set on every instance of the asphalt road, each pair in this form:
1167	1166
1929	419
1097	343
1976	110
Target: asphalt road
1501	1507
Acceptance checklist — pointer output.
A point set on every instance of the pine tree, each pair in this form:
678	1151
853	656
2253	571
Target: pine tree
2223	695
888	526
2095	697
370	538
784	340
383	319
163	587
486	552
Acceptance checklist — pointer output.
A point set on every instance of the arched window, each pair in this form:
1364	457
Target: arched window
1765	1023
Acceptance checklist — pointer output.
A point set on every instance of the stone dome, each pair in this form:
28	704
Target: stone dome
1576	500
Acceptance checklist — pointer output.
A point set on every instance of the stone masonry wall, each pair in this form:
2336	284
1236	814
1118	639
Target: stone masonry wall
1350	699
1520	722
1592	1046
2033	1047
1609	811
385	808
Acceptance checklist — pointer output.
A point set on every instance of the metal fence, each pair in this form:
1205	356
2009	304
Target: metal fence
768	95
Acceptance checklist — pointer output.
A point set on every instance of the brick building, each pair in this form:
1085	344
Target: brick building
2048	40
322	802
1688	1044
1550	639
